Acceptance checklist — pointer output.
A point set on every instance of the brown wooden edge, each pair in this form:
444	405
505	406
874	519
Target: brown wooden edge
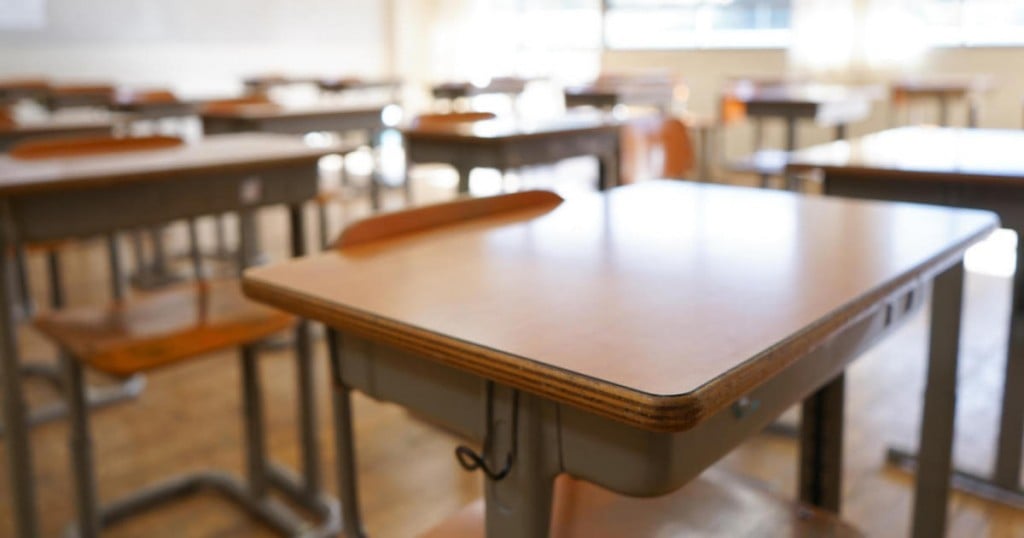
388	225
52	148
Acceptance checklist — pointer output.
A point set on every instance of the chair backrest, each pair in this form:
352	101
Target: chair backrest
234	103
678	149
54	148
418	219
69	90
159	96
427	121
6	117
645	139
731	109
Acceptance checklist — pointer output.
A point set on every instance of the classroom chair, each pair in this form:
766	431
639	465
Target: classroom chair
134	335
656	146
41	149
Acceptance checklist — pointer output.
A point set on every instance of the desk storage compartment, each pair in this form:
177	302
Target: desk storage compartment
453	399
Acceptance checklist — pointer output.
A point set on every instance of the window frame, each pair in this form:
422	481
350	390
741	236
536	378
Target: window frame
781	40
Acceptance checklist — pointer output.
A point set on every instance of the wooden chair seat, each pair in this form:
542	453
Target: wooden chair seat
433	121
162	328
718	504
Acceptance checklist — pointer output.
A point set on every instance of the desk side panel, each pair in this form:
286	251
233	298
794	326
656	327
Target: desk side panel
90	211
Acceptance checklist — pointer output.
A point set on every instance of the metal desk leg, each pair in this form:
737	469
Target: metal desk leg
522	435
1006	474
117	285
608	170
821	446
25	302
304	364
1003	485
704	134
791	182
841	131
931	493
19	460
943	110
344	442
790	133
305	490
464	173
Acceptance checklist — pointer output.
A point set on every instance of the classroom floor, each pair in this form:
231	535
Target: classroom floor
188	418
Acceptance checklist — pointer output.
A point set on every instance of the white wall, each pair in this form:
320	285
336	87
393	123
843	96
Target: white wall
199	47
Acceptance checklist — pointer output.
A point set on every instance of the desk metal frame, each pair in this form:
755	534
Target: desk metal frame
553	438
1004	198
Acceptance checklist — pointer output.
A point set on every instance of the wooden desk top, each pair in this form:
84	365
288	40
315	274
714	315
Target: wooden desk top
802	94
212	153
825	103
941	86
656	304
453	89
271	80
28	83
274	111
509	128
356	83
934	153
54	125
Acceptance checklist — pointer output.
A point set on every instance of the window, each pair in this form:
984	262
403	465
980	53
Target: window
540	37
974	22
674	24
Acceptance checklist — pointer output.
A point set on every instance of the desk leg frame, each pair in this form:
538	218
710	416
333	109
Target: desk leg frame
931	493
1011	423
519	504
821	446
344	440
1003	485
19	460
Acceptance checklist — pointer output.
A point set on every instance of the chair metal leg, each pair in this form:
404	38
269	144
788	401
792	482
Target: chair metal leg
221	236
158	273
117	285
194	250
54	274
95	396
28	306
253	496
255	447
80	445
323	225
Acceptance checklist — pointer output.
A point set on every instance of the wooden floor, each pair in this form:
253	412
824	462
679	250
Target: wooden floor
188	418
